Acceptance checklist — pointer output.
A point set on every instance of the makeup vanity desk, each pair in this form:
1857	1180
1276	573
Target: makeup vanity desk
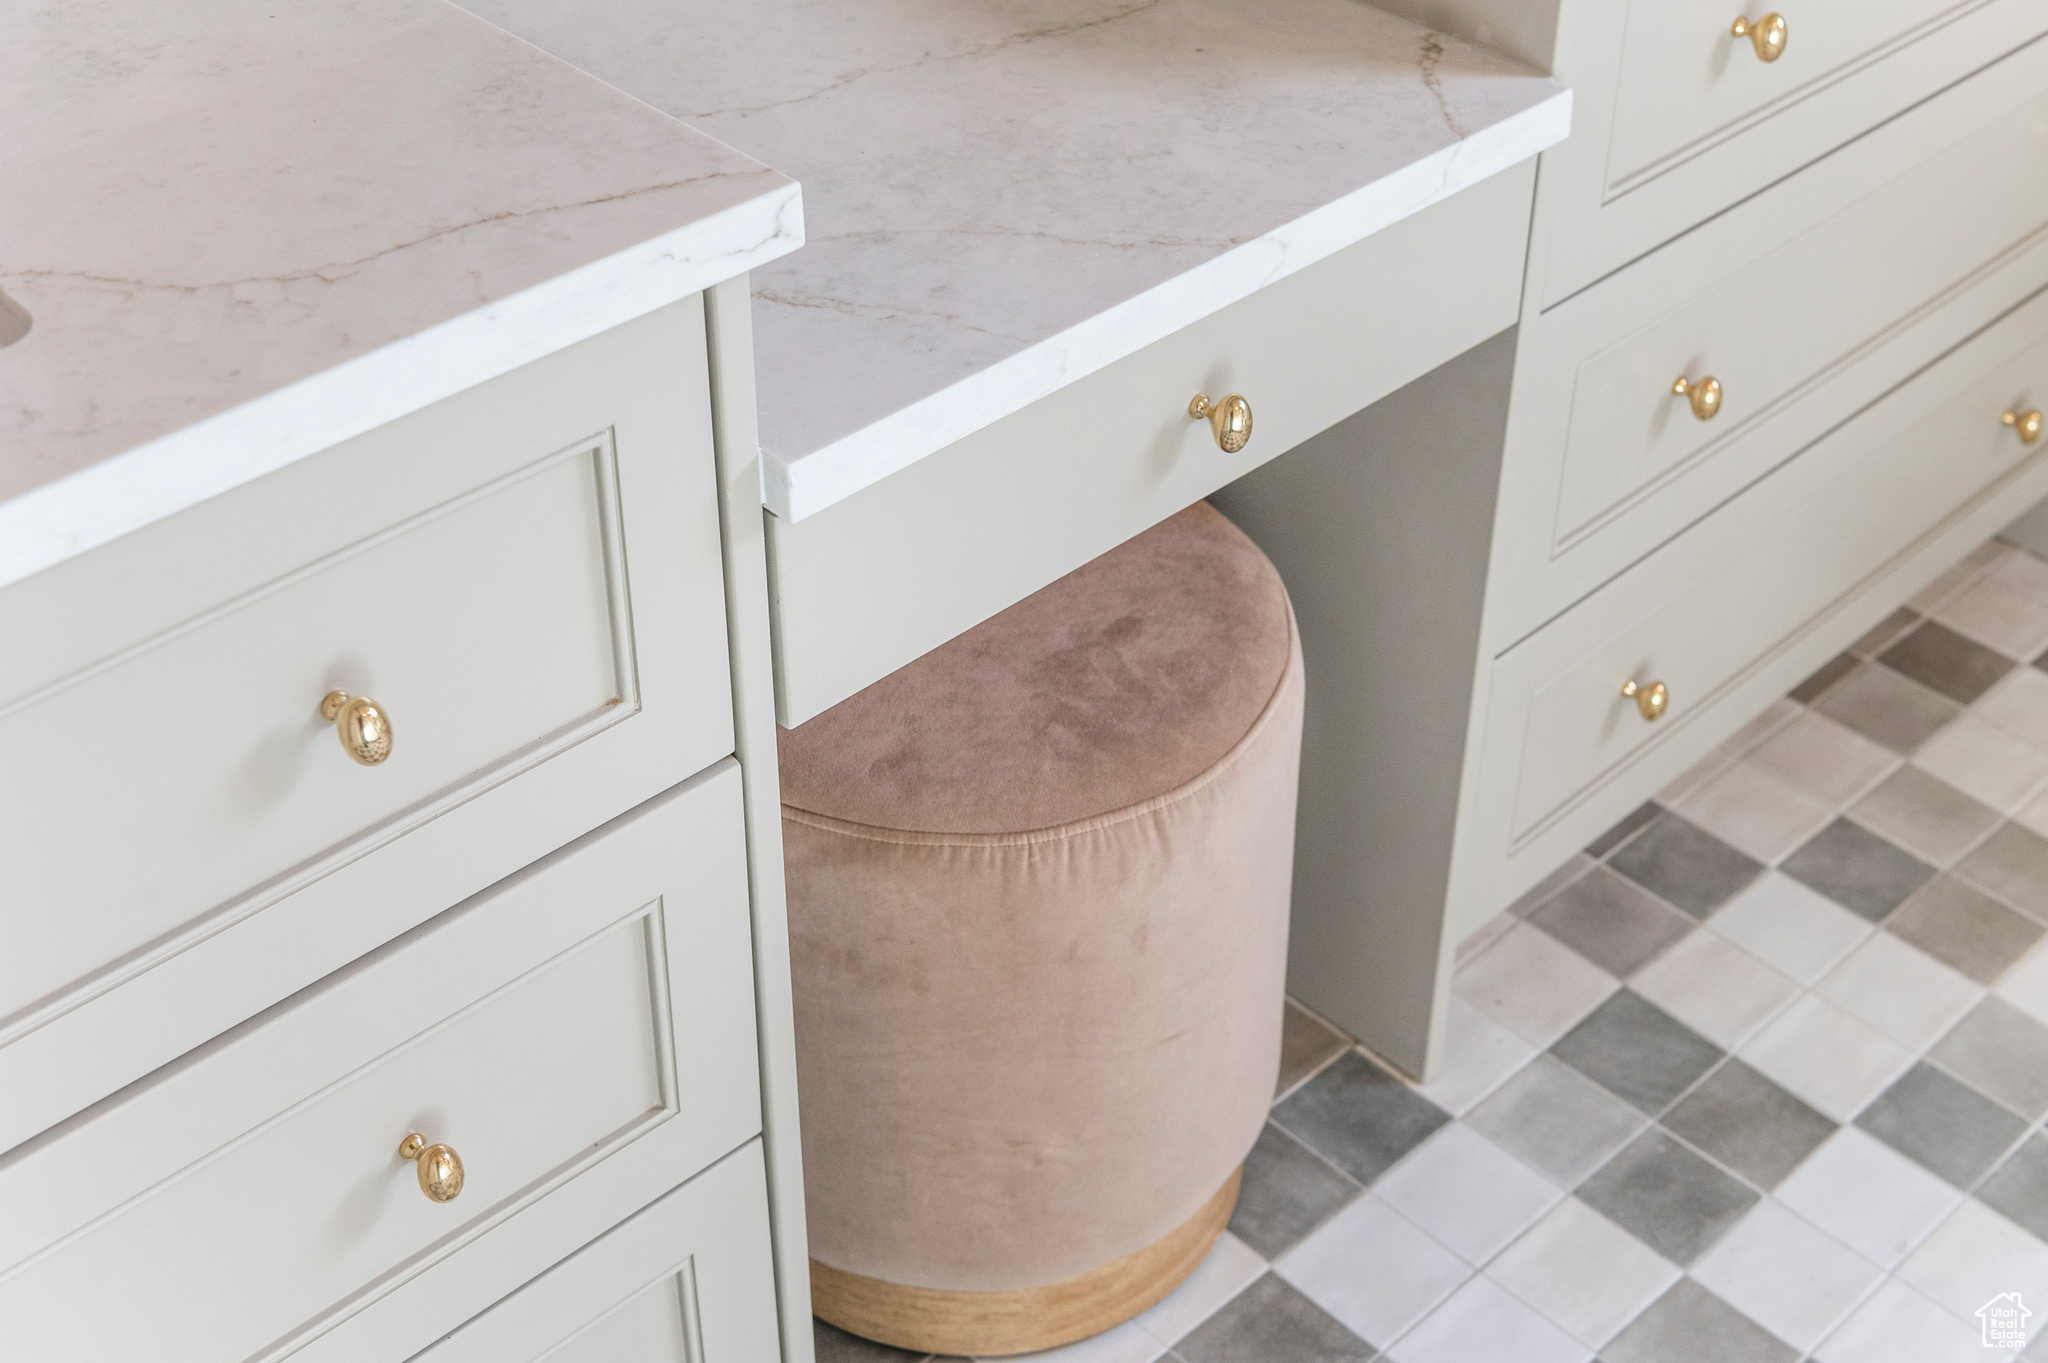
1570	475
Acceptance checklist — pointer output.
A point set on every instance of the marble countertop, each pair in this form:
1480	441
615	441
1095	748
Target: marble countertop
1003	196
243	233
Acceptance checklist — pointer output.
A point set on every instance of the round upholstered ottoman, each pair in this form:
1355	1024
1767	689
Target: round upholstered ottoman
1038	896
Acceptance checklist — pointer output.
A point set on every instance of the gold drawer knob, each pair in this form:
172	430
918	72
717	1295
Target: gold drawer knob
1705	396
364	728
1767	35
1231	419
1651	700
440	1167
2027	425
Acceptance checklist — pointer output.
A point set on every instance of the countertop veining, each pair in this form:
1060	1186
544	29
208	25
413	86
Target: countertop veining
1003	196
243	233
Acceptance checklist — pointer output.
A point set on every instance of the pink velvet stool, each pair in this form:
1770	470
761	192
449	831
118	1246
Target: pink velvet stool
1038	890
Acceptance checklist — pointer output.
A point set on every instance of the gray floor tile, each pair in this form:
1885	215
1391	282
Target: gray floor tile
1671	1199
1685	864
1857	869
1638	1052
1749	1124
1611	921
2019	1190
1837	667
1927	816
1361	1118
1942	1125
1886	708
1306	1042
2012	864
2001	1051
1965	928
1287	1192
1885	631
1689	1324
1555	1120
1626	829
834	1345
1270	1322
1538	894
1947	662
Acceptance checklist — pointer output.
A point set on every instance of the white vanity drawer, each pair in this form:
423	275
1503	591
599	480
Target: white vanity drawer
185	839
1905	273
581	1034
865	586
1738	594
1680	119
688	1280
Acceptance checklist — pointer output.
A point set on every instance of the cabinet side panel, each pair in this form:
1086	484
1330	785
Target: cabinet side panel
1381	528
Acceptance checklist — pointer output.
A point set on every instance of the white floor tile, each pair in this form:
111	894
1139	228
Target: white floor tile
1124	1344
1898	1325
1757	810
1787	926
2018	705
1534	984
1825	758
1868	1196
1494	929
1826	1057
1693	777
1786	1275
2023	572
1993	612
1231	1267
2025	985
1938	592
1900	990
1984	761
1478	1054
1481	1323
1583	1272
1714	987
2034	814
1974	1256
1467	1192
1373	1270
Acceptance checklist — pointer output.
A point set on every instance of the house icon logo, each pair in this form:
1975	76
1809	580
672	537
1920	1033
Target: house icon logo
2005	1321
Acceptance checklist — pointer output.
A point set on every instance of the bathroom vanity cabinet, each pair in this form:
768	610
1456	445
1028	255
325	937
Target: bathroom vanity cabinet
394	953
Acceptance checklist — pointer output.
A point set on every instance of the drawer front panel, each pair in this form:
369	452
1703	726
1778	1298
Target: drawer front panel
527	577
597	1003
689	1280
867	585
1558	725
485	630
1678	121
1687	80
1883	266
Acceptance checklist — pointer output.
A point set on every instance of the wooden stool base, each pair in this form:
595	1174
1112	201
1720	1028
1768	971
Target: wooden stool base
928	1320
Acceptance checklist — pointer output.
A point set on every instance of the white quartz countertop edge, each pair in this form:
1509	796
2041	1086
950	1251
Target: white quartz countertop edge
49	524
794	488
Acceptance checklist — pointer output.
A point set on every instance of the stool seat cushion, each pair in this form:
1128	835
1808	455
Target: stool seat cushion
1038	896
1131	676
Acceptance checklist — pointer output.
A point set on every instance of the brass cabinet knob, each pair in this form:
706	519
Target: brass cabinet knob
1231	419
1767	35
2027	425
1705	395
440	1167
364	728
1651	700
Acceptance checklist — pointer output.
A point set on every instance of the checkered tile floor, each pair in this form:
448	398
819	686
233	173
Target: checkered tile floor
1758	1077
